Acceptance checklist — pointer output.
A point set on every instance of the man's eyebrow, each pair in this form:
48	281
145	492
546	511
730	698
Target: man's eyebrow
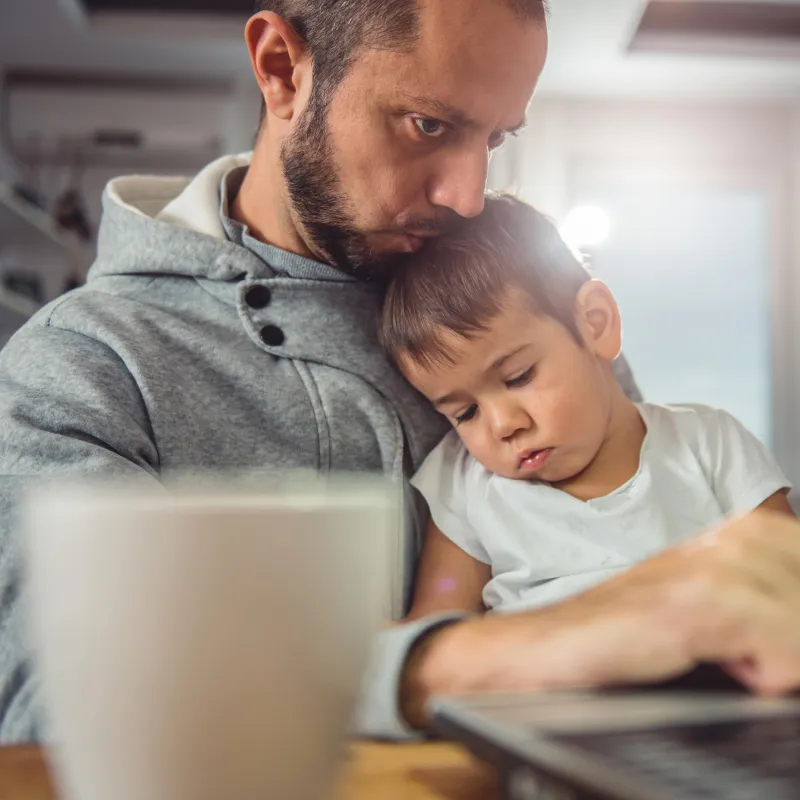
448	113
440	109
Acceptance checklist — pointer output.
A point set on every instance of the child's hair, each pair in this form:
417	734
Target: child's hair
457	282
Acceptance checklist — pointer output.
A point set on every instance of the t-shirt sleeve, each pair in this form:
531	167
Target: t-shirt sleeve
742	471
445	480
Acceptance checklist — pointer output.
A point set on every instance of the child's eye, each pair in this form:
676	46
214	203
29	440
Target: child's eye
521	380
467	415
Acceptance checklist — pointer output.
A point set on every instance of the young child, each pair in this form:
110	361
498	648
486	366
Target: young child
552	479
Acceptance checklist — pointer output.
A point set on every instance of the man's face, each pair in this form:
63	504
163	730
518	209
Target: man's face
402	149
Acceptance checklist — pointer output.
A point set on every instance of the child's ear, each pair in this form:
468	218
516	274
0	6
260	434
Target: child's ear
599	320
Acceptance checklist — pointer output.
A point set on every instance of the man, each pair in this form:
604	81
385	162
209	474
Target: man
229	324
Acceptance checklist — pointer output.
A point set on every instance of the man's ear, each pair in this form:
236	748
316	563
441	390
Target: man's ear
599	320
280	62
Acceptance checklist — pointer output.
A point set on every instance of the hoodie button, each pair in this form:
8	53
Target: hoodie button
272	336
258	297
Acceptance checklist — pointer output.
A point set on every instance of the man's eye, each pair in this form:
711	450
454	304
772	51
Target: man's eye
467	415
432	128
521	380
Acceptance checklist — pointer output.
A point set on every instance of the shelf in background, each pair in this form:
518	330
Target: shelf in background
23	226
17	303
15	311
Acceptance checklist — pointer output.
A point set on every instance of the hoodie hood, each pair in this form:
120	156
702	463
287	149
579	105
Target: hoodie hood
150	223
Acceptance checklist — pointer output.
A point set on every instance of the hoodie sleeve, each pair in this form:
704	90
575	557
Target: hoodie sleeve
68	407
378	713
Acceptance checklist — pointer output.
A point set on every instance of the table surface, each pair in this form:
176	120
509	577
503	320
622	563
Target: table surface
390	772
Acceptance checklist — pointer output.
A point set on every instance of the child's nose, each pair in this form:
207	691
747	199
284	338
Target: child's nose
507	420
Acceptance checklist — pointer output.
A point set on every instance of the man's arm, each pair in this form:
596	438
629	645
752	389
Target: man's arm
731	596
68	408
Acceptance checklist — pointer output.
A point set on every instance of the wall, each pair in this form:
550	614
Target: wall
7	166
565	136
8	170
791	233
242	115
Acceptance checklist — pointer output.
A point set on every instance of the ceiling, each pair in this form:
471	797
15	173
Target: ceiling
204	6
590	55
57	35
589	49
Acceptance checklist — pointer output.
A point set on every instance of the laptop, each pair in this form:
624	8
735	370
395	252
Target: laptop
661	744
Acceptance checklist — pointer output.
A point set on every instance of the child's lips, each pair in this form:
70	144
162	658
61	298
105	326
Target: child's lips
534	460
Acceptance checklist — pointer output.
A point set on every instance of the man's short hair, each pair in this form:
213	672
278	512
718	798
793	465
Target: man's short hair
457	283
336	31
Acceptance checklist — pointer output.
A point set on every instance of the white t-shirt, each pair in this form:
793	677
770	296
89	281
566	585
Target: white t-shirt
697	465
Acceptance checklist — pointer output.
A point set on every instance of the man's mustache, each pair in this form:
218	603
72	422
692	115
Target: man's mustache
434	226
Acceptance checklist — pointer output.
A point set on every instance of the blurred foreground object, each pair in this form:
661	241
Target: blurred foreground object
205	644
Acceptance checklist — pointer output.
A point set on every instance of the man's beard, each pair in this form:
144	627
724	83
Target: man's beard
322	207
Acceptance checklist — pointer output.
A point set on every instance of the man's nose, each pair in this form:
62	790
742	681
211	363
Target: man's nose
506	419
460	183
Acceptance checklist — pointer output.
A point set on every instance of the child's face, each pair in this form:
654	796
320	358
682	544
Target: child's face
527	400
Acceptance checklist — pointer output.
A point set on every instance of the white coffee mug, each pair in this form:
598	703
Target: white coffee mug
204	646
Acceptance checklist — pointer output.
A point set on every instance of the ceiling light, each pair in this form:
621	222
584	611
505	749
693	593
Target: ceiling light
586	226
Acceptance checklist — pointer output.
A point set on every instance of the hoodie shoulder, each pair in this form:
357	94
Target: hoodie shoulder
170	226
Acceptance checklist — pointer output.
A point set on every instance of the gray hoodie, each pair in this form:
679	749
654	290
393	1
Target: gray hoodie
186	352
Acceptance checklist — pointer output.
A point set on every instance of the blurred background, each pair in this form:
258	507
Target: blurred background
664	139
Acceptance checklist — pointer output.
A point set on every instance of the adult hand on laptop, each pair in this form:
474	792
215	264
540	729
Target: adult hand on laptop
731	596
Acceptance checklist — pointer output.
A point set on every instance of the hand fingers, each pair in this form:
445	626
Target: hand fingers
757	639
757	539
743	577
772	670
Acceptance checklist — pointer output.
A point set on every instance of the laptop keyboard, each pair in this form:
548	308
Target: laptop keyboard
743	760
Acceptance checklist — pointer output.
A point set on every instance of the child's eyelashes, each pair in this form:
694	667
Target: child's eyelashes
518	381
522	379
467	415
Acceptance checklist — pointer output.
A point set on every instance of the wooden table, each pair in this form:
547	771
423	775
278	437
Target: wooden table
388	772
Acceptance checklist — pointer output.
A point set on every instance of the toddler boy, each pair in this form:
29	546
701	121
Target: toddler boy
552	480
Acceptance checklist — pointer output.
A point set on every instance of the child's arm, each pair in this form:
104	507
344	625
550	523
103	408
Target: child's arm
778	502
448	578
744	475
